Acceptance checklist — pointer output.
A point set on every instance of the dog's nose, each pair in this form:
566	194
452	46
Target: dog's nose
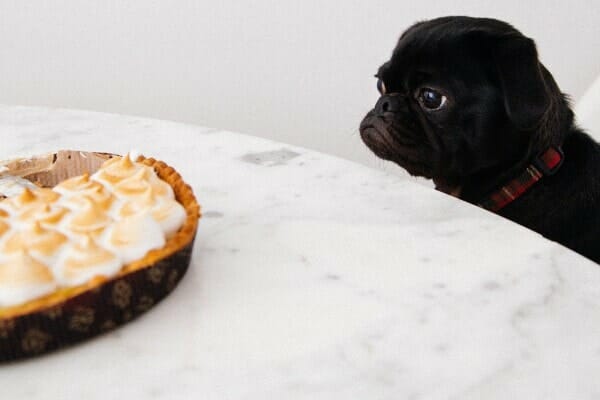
389	103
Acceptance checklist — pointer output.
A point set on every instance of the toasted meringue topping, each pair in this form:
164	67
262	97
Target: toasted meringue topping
29	198
37	240
134	236
4	227
140	181
92	217
135	205
75	189
132	187
169	214
101	198
43	213
22	278
76	184
20	268
85	227
11	186
86	260
116	169
41	195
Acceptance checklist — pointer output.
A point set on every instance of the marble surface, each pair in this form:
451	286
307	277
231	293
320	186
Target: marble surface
316	278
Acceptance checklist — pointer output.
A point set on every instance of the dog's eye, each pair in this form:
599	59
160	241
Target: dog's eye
381	86
431	100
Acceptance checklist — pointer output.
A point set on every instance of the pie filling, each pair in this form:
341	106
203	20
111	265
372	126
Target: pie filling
85	228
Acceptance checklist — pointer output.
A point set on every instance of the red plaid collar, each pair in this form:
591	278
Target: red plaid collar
546	163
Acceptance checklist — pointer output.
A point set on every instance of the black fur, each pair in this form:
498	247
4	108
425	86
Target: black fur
503	109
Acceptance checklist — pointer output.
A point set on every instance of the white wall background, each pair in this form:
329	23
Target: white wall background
296	71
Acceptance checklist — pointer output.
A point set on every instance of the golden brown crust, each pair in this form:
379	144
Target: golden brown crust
183	194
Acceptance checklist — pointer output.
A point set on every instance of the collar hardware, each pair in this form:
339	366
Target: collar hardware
550	161
545	164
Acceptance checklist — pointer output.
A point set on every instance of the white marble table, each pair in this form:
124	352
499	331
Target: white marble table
317	278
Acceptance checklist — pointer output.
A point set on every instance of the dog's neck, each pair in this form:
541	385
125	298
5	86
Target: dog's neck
481	186
546	164
556	127
448	188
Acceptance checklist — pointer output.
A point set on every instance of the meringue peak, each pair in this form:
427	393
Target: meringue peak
27	196
21	268
35	238
44	213
86	260
90	218
116	169
4	227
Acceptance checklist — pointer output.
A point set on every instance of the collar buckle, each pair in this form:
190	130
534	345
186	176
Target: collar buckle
550	161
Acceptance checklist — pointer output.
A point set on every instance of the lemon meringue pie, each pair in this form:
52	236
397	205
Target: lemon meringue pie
58	242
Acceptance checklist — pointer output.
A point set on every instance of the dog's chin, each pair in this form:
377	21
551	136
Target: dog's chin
385	146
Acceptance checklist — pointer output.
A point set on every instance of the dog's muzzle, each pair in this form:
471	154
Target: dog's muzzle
381	130
391	103
393	133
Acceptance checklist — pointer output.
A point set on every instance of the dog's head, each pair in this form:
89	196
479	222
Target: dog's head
463	98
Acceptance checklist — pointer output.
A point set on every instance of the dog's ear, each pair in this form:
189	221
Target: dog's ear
526	94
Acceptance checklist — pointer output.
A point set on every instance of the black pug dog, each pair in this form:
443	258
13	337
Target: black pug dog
466	102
